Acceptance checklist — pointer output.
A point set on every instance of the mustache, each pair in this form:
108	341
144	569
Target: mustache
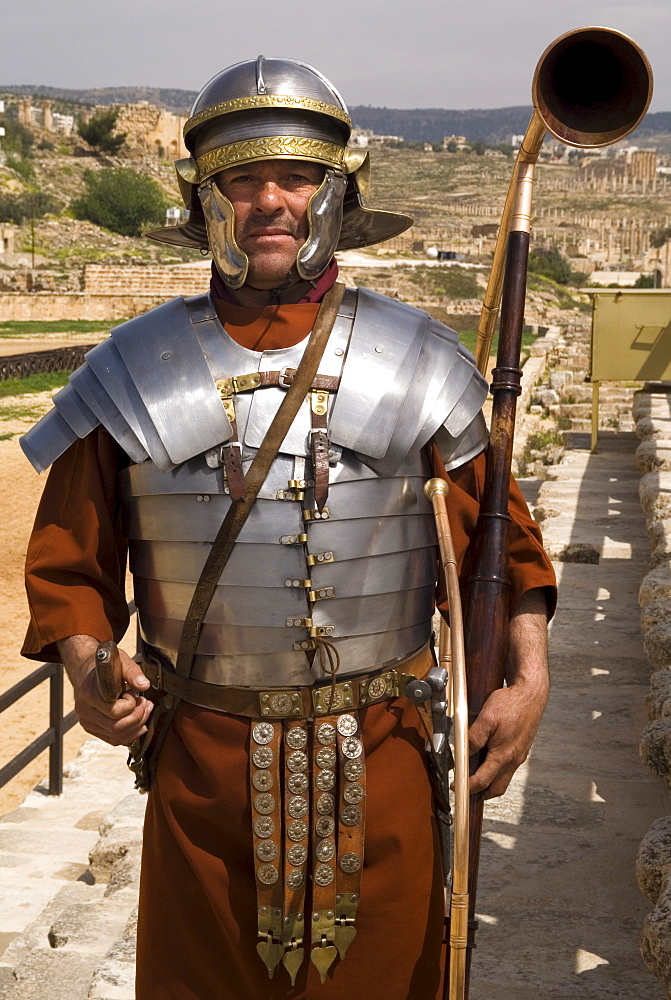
286	223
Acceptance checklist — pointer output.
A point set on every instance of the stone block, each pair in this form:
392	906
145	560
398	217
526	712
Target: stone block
573	552
655	612
658	699
559	378
655	943
653	863
659	533
128	812
652	455
654	492
656	584
657	645
653	428
655	748
111	848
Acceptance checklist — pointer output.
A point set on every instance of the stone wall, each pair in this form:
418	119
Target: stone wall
652	414
164	281
47	306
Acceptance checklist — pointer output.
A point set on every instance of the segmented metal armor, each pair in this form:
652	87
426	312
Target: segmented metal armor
361	571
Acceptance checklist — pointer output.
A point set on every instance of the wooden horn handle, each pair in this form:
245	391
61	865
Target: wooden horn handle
108	671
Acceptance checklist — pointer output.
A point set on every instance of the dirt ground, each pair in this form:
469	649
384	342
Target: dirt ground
20	491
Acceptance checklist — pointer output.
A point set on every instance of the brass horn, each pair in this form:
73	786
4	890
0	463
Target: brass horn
591	88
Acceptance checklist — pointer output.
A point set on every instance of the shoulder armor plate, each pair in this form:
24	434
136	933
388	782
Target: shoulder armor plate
135	384
405	375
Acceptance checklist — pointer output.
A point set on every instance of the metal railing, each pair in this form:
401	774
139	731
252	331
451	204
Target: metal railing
51	738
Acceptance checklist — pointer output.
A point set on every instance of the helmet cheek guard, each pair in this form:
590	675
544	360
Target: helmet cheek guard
231	262
325	212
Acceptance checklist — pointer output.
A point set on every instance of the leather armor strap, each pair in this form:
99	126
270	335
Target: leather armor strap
266	793
319	445
240	509
351	828
260	380
231	456
324	769
296	843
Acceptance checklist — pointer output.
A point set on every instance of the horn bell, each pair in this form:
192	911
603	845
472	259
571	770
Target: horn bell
592	86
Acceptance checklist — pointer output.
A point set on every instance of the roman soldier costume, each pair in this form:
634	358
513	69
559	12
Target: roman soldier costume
322	615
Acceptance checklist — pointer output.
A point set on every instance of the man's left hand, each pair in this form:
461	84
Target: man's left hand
509	719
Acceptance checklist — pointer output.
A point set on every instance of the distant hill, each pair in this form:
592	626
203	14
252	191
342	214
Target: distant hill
494	125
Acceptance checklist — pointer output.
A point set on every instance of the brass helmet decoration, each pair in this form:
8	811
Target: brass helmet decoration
267	109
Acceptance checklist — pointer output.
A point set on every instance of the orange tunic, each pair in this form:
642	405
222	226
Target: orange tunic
197	923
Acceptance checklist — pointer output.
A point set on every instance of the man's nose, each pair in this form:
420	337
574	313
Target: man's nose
268	198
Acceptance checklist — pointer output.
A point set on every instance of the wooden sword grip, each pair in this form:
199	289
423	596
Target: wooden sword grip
108	671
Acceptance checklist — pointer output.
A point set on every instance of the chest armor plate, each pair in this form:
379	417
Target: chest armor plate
363	577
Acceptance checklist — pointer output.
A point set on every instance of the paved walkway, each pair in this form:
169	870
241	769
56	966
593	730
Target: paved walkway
560	910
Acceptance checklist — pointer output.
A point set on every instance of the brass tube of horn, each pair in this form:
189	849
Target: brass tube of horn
451	650
592	87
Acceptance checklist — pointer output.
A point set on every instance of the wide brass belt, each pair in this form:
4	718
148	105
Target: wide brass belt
315	701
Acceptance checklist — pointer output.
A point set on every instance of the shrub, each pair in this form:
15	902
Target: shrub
121	200
551	264
17	208
99	132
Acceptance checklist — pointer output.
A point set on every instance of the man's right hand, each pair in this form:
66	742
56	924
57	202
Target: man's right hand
118	723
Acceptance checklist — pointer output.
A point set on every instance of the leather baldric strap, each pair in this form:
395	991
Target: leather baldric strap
240	509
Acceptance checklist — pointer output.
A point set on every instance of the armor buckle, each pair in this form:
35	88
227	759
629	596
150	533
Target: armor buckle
286	377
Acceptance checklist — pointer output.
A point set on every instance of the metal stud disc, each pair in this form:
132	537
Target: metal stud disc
323	875
353	769
297	807
295	879
353	793
326	734
296	738
264	826
325	780
263	756
347	725
325	803
297	761
262	781
324	850
297	783
297	855
325	826
326	757
350	816
350	863
264	803
298	830
268	874
263	732
352	747
266	850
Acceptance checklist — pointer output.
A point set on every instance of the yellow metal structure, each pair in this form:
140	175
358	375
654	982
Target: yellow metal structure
631	339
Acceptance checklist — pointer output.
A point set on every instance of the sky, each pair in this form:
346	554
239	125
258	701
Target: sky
424	53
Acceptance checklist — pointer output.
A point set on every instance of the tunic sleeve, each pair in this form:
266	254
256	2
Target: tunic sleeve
529	564
76	560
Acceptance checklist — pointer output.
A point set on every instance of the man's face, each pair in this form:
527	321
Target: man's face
270	199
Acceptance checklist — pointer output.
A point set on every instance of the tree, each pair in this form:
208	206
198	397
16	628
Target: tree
99	132
550	264
645	281
121	200
17	208
17	139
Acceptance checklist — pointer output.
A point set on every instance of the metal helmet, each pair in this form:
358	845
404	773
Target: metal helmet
268	109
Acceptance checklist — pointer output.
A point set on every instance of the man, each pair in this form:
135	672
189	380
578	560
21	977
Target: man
290	846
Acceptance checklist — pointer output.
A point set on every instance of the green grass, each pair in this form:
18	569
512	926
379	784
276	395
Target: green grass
469	337
6	437
20	413
42	382
30	327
